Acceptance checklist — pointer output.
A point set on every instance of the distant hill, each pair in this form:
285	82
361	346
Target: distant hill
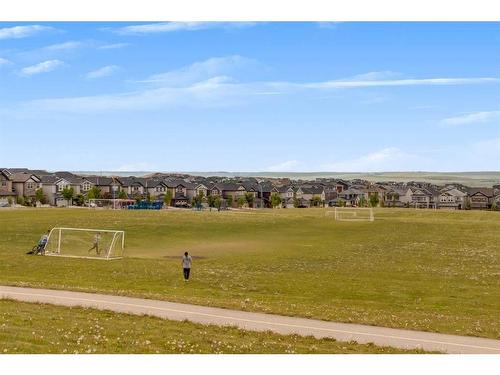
467	178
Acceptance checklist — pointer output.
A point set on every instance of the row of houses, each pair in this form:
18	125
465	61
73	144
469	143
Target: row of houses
22	183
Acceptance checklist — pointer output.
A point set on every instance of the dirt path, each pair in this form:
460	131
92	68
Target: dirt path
259	322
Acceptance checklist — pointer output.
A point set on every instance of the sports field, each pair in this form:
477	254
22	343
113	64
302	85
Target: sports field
415	269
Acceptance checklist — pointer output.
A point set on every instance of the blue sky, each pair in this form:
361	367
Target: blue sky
358	97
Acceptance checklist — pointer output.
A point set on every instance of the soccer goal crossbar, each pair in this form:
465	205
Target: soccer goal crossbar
352	214
83	243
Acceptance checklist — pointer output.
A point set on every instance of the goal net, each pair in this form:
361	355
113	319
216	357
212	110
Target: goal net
86	243
353	214
109	203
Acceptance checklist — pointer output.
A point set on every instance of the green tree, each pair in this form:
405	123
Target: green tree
211	199
198	200
241	201
316	201
362	201
217	202
68	194
40	196
374	200
275	200
122	194
167	199
249	198
229	200
20	200
94	193
79	200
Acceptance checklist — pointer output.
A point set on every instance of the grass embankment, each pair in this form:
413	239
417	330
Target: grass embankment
415	269
38	328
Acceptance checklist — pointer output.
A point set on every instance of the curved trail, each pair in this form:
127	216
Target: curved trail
399	338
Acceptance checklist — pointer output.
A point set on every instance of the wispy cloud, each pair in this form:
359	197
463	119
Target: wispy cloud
43	67
105	71
137	167
471	118
168	27
203	70
63	46
212	83
114	46
387	159
287	166
399	82
4	61
18	32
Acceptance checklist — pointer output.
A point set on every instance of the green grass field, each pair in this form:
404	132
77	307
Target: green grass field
415	269
35	328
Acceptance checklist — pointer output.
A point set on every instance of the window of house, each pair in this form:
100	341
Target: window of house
4	183
86	186
30	185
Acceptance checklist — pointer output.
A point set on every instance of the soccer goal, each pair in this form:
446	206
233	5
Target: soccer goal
116	204
353	214
86	243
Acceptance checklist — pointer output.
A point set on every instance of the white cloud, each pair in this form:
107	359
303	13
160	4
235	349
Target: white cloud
210	83
114	46
18	32
167	27
471	118
388	159
63	46
43	67
105	71
203	70
398	82
287	166
4	61
136	167
376	76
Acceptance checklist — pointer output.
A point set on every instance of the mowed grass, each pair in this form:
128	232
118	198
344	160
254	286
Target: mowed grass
36	328
416	269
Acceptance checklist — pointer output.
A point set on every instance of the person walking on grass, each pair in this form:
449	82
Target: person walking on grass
187	261
97	239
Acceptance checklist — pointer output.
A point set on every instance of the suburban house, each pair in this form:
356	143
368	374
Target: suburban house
25	184
179	192
287	195
156	189
134	186
393	197
419	197
305	195
109	186
452	198
352	196
480	198
7	193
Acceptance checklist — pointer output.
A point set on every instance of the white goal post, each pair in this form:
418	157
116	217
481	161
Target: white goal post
353	214
109	203
86	243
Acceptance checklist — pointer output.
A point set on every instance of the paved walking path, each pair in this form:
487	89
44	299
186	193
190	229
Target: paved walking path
259	322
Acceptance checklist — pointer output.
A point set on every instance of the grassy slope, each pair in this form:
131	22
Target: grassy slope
426	270
35	328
